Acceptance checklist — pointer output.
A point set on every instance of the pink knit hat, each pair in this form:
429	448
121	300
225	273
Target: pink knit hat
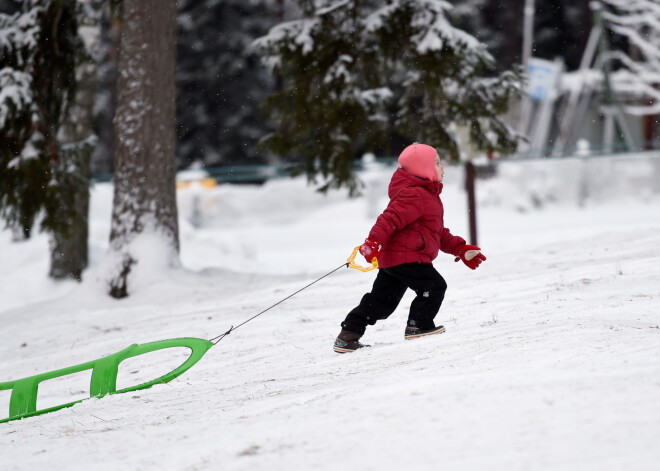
419	160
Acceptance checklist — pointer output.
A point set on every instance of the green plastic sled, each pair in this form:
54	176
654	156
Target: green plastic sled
23	401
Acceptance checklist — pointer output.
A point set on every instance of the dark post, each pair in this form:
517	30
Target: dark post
470	177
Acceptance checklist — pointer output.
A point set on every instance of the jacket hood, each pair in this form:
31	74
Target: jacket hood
402	180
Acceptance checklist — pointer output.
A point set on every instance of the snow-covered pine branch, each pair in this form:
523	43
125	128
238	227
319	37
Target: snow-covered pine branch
635	6
639	22
15	95
45	137
19	34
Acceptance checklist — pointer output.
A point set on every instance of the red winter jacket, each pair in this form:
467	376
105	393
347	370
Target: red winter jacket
411	228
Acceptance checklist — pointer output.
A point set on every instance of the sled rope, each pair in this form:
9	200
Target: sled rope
23	402
216	339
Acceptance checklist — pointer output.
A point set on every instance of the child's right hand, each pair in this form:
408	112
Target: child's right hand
370	250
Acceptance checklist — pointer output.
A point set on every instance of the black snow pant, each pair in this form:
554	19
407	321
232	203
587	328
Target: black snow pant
388	289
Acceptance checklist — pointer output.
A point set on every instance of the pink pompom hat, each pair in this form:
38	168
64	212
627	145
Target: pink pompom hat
419	160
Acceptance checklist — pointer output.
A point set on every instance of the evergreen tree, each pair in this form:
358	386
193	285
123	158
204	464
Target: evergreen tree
354	71
561	28
109	20
9	7
220	81
638	21
41	174
497	24
69	249
144	199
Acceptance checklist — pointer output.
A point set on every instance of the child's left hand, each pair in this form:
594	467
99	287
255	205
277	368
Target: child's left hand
470	254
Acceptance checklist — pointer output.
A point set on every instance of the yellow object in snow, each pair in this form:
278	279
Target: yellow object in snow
205	183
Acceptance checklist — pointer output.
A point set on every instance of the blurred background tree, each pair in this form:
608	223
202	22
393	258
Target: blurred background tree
356	76
561	28
355	72
105	104
220	82
44	141
638	23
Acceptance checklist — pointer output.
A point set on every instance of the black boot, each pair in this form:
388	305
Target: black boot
347	342
414	332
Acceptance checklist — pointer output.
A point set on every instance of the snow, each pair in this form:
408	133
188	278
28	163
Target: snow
440	30
434	29
300	31
19	32
551	359
335	6
15	94
639	22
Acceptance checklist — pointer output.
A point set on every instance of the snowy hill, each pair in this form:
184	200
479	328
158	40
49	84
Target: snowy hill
551	359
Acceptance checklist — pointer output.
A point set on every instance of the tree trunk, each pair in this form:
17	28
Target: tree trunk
69	244
69	250
107	84
144	199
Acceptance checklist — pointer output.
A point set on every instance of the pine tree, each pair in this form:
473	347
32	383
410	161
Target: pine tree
144	200
561	28
69	249
109	20
497	24
354	71
39	177
639	22
220	82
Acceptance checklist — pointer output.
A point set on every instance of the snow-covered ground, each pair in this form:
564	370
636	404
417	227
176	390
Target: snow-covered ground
551	359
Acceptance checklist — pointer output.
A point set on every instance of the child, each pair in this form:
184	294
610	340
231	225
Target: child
405	240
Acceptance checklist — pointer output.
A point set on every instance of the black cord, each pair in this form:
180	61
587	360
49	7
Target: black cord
232	328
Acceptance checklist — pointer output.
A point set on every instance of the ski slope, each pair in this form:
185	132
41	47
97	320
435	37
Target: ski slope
551	359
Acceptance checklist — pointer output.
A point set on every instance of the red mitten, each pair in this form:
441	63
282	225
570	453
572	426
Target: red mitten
370	249
470	254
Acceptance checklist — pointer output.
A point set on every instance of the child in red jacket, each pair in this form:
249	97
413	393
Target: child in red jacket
405	239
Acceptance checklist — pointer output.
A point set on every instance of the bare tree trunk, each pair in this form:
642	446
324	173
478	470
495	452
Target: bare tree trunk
144	200
69	249
69	252
107	83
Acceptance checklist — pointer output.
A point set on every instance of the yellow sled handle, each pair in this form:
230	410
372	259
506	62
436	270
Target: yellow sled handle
352	264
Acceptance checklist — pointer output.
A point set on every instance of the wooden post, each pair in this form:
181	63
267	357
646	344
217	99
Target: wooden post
470	177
